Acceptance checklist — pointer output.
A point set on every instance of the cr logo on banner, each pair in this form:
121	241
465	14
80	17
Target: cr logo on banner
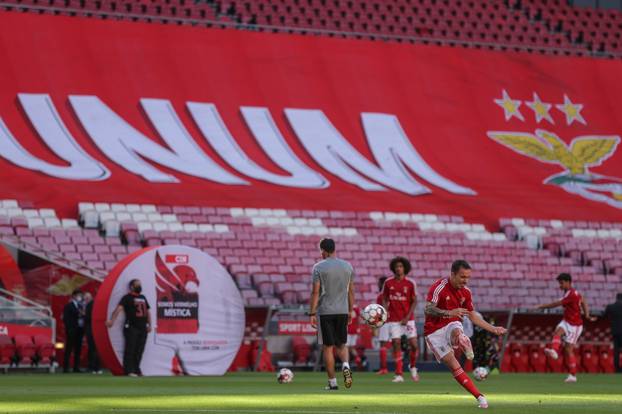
176	258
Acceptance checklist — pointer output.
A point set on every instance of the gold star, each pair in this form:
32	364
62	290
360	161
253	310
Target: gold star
541	109
572	111
510	107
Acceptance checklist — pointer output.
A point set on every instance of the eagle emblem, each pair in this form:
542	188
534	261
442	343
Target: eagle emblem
576	159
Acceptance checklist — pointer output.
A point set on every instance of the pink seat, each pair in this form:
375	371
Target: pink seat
19	222
289	298
84	248
253	301
6	230
260	278
266	289
272	301
248	293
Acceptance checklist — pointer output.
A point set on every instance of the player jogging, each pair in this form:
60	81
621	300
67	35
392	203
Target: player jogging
400	301
570	328
447	302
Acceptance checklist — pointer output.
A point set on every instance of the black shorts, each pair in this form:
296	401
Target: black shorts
333	329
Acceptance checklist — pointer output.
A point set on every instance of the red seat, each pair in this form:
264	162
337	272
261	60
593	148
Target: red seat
45	349
243	358
556	365
537	358
520	358
301	350
605	354
7	350
589	358
506	363
26	349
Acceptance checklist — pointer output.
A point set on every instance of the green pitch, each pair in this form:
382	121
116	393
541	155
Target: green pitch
254	393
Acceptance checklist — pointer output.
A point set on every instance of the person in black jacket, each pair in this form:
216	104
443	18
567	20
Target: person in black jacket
73	318
94	365
614	313
136	327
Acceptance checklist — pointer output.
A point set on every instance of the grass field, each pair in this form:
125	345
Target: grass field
256	393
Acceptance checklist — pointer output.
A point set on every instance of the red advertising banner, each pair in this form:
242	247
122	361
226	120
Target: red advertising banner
195	310
296	328
133	112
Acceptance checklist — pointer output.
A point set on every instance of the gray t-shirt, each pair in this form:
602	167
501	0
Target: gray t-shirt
334	276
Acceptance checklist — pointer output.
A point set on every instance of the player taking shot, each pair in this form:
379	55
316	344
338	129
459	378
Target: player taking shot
448	301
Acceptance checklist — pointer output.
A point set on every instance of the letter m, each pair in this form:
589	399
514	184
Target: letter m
393	152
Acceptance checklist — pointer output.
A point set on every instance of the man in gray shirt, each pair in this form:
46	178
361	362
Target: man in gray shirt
332	299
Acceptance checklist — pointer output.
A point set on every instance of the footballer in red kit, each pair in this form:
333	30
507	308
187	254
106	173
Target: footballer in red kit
400	300
570	328
448	301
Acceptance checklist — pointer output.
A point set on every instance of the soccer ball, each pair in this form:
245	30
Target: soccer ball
374	315
480	373
284	376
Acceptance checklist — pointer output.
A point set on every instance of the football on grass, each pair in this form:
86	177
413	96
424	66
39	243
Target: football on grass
480	373
284	376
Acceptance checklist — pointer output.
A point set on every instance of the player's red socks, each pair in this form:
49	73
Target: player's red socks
383	357
399	362
464	380
572	364
557	343
413	357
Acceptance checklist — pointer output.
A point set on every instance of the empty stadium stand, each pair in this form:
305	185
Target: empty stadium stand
544	26
270	251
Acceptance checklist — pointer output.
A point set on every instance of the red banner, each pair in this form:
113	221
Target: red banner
133	112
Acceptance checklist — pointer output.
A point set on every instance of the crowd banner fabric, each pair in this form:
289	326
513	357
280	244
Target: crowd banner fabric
145	113
196	311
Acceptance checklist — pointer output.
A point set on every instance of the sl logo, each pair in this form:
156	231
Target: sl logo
576	158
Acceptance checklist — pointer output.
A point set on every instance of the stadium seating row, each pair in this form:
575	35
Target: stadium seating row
551	27
531	358
588	244
26	351
270	251
539	333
